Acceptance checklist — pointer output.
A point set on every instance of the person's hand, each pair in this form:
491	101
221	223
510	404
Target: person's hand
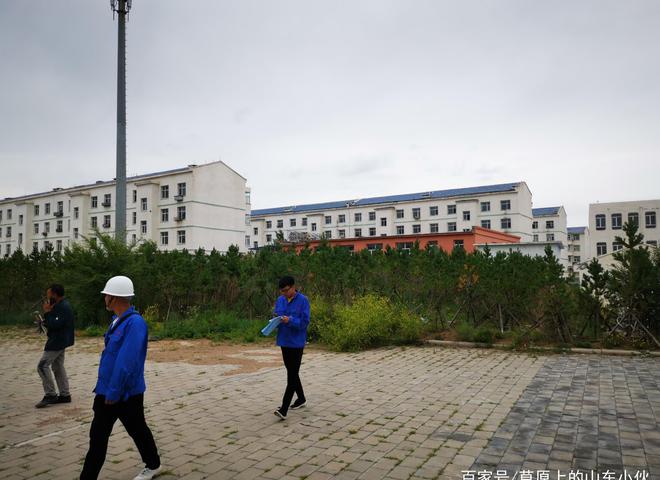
285	319
110	402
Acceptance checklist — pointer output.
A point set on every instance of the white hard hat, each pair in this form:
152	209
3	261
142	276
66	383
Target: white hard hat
119	286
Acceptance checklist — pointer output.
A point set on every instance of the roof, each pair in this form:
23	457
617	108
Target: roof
101	183
543	211
576	229
362	202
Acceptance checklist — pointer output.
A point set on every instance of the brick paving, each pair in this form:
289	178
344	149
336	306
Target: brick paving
393	413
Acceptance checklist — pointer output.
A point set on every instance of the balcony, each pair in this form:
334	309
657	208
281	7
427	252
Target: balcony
45	234
179	198
59	213
106	225
179	219
59	230
107	204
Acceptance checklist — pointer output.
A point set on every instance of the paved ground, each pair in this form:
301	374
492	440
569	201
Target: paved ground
392	413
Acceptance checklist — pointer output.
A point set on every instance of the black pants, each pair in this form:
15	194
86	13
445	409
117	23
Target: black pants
131	415
292	359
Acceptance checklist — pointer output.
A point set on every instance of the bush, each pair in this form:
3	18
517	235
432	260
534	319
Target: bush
369	322
210	324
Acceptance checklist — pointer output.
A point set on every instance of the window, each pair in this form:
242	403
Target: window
358	217
417	228
576	259
181	191
134	196
0	215
372	216
304	221
75	233
383	222
485	206
269	238
94	222
107	200
8	232
181	213
416	213
550	237
505	205
601	248
549	225
372	231
164	214
374	246
633	217
434	228
255	231
406	246
505	223
451	209
328	219
485	224
35	246
134	218
536	237
358	232
458	244
535	225
9	214
399	230
616	246
399	213
46	208
650	219
164	193
58	245
95	202
466	215
451	226
653	243
247	198
616	221
576	248
327	234
313	227
433	211
143	227
106	221
292	222
60	208
181	234
601	223
269	224
342	233
144	204
341	219
36	210
76	212
20	219
280	224
59	227
164	237
432	244
20	239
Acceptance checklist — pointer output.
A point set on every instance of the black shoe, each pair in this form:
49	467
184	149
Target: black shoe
298	404
280	413
63	399
47	400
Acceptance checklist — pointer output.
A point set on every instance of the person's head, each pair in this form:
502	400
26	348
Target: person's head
55	293
287	286
118	293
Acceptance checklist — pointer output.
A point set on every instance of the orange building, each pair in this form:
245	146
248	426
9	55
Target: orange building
445	241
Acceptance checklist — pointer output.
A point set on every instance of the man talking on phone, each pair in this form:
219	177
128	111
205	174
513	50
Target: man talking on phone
58	320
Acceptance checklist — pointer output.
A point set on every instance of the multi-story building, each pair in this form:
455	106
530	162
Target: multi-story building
198	206
505	207
579	250
549	225
606	223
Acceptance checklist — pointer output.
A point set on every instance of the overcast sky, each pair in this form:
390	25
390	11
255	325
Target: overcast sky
316	101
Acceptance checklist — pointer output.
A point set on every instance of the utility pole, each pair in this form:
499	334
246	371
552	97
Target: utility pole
121	8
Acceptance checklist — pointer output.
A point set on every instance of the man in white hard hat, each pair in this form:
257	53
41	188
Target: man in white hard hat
120	386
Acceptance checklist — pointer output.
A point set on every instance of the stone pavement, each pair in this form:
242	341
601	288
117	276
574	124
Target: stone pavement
393	413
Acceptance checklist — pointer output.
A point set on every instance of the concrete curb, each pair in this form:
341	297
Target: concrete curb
596	351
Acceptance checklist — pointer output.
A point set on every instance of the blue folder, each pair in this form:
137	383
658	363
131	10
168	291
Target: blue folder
272	325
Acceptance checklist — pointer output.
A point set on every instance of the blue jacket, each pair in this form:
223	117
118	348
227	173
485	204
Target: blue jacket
294	333
121	370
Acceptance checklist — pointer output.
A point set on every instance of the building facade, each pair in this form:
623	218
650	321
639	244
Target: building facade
550	225
606	223
506	208
199	206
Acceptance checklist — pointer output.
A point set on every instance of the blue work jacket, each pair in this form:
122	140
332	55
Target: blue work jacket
121	370
294	333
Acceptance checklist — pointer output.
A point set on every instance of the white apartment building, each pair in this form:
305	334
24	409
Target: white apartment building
550	225
505	207
198	206
579	249
606	222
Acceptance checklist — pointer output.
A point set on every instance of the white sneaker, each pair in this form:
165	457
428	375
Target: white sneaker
148	474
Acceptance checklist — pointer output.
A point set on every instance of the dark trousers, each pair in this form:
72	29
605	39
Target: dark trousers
131	415
292	360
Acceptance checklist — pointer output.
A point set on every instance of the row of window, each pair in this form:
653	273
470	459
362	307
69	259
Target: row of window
505	223
617	220
601	247
549	237
549	225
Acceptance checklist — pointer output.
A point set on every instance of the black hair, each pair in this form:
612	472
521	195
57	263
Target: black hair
57	289
286	281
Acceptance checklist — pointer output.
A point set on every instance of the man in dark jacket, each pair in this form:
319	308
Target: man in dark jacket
58	320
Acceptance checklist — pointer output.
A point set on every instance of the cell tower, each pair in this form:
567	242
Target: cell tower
121	8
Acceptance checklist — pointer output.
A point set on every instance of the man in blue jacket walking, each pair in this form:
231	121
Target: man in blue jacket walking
120	386
293	307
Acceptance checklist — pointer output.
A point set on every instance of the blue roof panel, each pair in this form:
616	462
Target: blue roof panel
576	229
362	202
539	212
